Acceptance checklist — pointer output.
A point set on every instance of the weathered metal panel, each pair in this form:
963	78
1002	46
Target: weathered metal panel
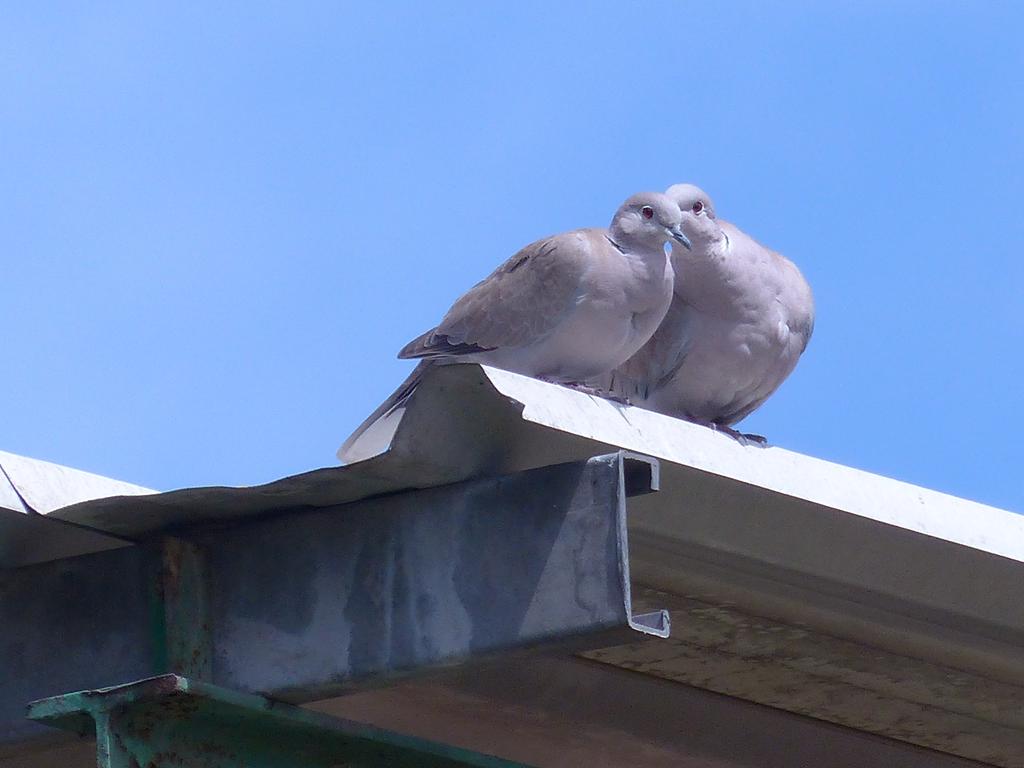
71	624
27	538
564	712
316	600
898	568
310	602
169	721
737	653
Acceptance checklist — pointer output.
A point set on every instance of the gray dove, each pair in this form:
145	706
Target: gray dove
566	308
741	317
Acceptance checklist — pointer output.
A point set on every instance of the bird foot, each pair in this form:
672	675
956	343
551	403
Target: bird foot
597	392
620	399
587	389
743	438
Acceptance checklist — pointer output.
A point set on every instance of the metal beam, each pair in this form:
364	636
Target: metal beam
27	538
170	721
305	604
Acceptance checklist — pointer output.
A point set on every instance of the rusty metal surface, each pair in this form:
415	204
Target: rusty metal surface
170	721
184	594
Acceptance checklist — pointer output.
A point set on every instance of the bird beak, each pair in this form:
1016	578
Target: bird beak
679	237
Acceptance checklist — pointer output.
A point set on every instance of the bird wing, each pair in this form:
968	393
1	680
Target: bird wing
795	295
520	303
654	365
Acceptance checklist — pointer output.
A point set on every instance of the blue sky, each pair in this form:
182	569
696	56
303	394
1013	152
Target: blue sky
219	225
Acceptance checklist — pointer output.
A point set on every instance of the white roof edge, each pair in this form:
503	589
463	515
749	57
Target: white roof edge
843	488
9	498
42	486
468	420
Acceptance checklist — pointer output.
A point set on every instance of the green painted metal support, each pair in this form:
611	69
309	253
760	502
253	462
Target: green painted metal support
185	601
173	721
179	607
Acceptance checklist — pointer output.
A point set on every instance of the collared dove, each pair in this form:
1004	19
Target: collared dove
741	317
565	309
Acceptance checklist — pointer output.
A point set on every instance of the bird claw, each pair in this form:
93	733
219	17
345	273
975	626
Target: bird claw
597	392
620	399
743	438
593	391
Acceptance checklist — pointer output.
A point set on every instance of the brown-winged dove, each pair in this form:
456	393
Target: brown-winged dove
566	308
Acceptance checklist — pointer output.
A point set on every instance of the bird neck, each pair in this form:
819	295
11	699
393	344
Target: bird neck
709	271
707	235
628	242
618	247
647	265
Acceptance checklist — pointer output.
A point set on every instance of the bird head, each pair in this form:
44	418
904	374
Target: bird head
697	213
650	218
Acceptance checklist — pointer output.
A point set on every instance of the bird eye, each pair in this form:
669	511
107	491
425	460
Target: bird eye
647	212
698	207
